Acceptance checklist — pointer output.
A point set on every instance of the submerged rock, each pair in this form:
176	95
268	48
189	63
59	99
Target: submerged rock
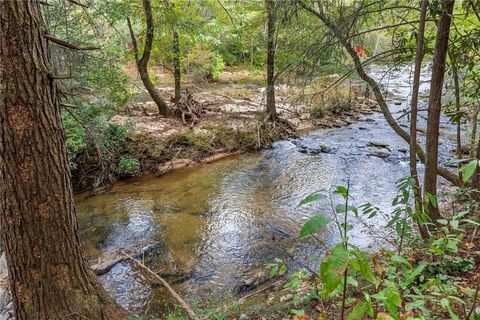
379	144
380	154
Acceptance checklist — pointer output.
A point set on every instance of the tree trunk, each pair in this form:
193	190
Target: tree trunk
476	177
271	111
435	105
142	63
456	83
473	134
176	66
413	116
49	277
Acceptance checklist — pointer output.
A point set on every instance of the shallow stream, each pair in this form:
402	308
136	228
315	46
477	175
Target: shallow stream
214	225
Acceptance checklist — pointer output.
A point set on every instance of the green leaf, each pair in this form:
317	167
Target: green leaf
282	270
341	208
333	267
432	199
358	311
469	170
362	265
316	196
314	224
296	312
342	191
401	260
273	271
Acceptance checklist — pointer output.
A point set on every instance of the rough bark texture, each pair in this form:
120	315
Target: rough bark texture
435	105
271	108
142	62
413	114
48	275
344	41
176	66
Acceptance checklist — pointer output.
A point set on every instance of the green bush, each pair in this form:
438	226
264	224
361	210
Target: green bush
128	165
76	139
204	63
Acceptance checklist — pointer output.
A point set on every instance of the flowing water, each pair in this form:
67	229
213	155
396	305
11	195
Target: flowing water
215	224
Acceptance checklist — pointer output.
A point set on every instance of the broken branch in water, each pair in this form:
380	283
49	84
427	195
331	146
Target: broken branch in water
179	299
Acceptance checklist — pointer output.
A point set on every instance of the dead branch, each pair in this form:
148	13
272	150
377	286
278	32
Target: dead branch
179	299
69	45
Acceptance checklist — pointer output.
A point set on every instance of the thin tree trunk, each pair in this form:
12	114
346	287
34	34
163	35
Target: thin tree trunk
142	63
413	116
271	112
473	136
476	177
435	105
176	66
453	178
456	83
49	277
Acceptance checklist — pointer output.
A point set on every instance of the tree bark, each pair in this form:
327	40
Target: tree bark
456	83
177	73
49	277
271	111
435	106
413	116
473	134
343	39
142	62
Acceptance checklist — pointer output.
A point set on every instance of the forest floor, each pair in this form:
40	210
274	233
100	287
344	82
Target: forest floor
231	116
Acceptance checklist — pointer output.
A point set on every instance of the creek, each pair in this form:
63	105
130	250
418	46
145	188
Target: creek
215	225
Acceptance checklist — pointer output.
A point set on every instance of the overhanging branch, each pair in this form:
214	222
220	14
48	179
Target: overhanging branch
69	45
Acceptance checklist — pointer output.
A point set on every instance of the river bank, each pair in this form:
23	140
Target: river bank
230	122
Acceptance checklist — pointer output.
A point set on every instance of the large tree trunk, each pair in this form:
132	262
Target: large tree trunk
142	63
413	115
271	111
435	105
49	277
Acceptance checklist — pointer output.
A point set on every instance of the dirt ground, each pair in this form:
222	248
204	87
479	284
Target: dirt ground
235	99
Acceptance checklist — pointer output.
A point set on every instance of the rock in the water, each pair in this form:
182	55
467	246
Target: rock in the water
380	154
397	103
379	144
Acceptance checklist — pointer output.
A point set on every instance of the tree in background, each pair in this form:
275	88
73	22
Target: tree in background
271	111
49	276
142	62
419	53
435	106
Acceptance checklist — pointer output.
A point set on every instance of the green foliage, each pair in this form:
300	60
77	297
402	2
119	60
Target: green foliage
424	287
469	170
128	165
94	144
204	63
314	224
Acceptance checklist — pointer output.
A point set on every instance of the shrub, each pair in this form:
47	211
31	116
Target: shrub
204	63
128	165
